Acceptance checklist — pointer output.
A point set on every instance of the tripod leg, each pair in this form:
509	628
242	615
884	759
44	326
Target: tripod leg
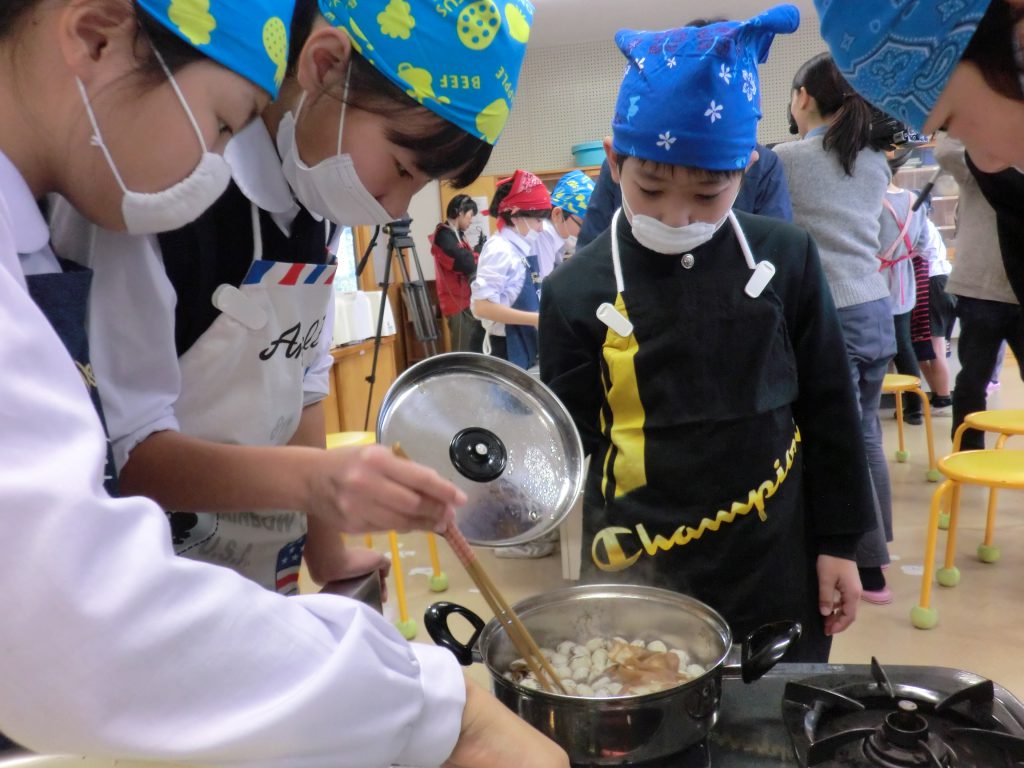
372	378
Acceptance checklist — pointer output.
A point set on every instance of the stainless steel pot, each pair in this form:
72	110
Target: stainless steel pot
624	729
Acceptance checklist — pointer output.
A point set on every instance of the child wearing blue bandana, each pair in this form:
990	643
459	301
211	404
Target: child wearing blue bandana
699	353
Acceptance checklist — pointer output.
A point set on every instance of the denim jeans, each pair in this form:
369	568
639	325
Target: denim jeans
906	360
870	344
984	325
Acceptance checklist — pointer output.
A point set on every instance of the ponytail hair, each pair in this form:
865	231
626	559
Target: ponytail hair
850	116
499	195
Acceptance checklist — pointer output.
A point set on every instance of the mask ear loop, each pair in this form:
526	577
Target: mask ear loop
344	105
97	136
181	99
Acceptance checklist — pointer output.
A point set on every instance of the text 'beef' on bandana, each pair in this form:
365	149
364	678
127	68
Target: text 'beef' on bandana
572	193
899	54
249	37
691	96
459	58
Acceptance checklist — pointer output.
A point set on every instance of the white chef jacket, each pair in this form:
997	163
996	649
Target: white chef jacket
132	301
940	264
500	272
114	647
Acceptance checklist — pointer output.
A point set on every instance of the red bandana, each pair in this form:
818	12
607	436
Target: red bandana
528	193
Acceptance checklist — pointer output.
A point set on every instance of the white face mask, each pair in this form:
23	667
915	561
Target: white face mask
570	243
147	213
331	189
669	241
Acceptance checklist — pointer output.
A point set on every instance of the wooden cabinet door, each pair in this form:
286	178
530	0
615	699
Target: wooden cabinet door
350	388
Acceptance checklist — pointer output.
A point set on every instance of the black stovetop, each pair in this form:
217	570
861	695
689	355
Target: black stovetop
752	733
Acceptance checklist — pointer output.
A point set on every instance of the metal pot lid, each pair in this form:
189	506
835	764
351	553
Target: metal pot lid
498	434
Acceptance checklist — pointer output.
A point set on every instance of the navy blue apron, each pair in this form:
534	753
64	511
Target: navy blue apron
522	339
64	298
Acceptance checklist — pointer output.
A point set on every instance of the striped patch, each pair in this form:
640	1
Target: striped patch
265	272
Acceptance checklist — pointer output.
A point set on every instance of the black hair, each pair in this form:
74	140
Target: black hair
702	22
176	52
440	147
305	14
850	129
702	174
459	205
500	194
11	12
991	49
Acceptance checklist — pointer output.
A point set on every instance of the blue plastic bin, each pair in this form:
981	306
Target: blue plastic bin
588	153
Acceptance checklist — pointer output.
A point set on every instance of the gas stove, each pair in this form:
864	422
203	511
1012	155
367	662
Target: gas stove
861	716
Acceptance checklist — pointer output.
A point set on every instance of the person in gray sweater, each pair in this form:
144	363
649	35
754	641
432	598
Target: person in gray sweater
987	308
837	182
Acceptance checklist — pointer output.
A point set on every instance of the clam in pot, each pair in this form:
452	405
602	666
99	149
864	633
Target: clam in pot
617	729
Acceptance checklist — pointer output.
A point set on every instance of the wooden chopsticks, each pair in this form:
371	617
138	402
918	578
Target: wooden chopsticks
524	643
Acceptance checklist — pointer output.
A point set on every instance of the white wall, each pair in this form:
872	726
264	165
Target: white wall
567	96
425	210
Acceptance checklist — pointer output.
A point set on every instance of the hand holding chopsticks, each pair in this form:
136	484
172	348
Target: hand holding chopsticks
522	640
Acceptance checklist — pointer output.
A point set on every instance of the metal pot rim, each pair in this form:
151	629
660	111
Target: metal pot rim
546	600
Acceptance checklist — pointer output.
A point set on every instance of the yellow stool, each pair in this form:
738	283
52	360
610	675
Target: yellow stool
896	384
1004	423
994	469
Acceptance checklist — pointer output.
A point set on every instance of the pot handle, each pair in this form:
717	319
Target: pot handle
764	648
436	621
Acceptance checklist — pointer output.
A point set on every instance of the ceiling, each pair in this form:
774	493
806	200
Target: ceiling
563	22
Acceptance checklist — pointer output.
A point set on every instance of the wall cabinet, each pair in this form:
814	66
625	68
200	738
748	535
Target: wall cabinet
345	406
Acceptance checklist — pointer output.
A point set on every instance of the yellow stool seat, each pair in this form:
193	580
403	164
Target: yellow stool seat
341	439
897	384
995	469
1007	422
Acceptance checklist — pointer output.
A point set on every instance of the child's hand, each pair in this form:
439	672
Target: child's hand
364	489
838	592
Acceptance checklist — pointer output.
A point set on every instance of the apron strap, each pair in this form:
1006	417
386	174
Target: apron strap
257	233
888	262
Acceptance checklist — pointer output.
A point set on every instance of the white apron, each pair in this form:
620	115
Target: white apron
242	384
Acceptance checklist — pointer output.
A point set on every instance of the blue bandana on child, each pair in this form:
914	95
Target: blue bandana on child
691	96
459	59
899	55
572	193
249	37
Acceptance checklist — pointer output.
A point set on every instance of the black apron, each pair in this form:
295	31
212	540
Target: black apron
697	484
63	298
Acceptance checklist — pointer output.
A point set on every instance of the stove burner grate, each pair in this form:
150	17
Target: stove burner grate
875	723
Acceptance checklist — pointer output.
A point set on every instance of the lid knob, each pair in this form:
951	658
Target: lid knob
478	454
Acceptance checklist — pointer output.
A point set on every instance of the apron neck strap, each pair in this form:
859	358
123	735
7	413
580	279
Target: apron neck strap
257	233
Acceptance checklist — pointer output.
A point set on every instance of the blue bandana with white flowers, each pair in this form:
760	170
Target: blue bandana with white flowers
899	54
572	193
691	96
249	37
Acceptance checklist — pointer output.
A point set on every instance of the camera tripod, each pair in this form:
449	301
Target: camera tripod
414	295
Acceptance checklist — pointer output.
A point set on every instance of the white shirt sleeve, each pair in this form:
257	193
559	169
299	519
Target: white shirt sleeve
113	646
131	327
499	273
316	384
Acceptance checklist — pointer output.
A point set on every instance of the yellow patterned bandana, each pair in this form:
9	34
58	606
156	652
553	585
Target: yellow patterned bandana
459	58
249	37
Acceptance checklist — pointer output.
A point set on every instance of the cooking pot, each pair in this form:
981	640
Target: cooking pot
621	729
